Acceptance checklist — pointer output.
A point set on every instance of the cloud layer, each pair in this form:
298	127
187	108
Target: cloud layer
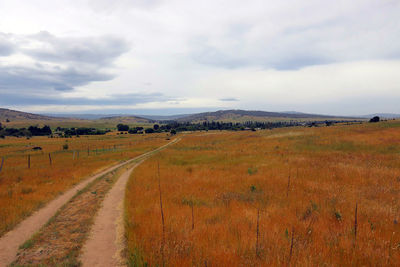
314	56
39	67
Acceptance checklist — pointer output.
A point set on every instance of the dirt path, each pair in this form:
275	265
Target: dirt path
59	242
106	241
10	242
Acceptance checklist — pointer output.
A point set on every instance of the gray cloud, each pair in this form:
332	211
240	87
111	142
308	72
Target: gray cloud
104	6
277	54
117	99
229	99
189	48
6	47
33	80
60	64
337	37
209	55
100	51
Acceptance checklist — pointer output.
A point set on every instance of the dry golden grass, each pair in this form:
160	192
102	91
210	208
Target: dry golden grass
306	220
23	189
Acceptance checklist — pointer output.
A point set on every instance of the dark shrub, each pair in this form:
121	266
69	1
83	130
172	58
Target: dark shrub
122	127
375	119
149	130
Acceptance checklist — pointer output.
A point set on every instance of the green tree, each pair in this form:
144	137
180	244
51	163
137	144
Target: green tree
122	127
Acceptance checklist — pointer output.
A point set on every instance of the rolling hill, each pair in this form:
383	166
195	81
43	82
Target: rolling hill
12	115
237	115
125	119
19	119
383	115
24	119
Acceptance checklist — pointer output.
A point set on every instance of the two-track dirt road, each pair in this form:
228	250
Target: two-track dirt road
106	241
11	241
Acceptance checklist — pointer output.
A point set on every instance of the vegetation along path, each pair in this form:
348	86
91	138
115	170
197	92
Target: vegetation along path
10	242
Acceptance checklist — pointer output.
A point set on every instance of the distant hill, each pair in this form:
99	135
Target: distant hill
24	119
164	117
125	119
100	116
20	119
13	115
382	115
237	115
80	116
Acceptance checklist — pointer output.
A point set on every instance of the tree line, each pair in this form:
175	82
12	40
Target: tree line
46	131
28	132
166	126
174	126
67	132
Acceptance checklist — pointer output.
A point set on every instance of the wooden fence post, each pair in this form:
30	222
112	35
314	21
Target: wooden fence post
29	161
50	160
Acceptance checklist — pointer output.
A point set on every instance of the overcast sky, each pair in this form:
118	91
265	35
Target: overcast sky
165	57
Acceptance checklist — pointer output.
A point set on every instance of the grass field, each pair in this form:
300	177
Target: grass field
324	196
29	179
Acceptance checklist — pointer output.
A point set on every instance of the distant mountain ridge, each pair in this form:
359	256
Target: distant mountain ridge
126	119
382	115
236	114
233	115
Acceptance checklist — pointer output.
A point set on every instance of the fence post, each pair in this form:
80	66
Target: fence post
50	160
29	161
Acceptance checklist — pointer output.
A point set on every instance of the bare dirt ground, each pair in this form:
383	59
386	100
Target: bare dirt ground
105	244
11	241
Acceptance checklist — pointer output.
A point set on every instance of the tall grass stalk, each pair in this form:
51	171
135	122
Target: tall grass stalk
258	232
288	186
192	217
291	247
162	215
2	163
355	224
